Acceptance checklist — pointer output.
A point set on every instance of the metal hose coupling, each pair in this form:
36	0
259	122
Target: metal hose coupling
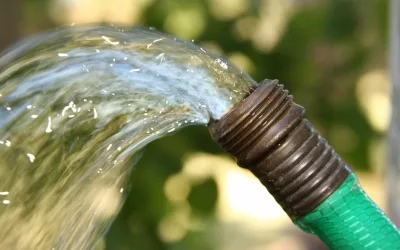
268	135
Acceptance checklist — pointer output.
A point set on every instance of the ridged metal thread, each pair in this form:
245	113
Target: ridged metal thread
269	136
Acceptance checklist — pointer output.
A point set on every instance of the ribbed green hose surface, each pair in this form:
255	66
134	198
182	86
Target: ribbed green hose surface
348	219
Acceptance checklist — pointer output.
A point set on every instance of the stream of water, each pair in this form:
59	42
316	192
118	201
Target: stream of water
77	105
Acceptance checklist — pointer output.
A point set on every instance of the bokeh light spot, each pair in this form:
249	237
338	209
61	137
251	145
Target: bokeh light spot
188	23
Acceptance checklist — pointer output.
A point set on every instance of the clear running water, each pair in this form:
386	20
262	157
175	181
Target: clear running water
76	107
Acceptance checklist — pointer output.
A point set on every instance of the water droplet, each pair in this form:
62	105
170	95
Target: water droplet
31	157
62	54
108	40
48	129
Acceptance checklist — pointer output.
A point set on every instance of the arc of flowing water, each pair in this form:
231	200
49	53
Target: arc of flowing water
76	107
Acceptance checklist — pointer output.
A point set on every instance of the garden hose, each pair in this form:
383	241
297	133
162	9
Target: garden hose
268	135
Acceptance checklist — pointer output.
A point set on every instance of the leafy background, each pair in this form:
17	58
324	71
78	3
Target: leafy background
186	193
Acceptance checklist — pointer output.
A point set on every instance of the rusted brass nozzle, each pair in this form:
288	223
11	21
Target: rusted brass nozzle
268	135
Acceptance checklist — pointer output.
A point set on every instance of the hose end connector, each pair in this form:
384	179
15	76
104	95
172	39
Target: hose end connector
268	135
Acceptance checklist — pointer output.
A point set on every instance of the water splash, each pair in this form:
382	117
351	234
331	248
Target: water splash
76	107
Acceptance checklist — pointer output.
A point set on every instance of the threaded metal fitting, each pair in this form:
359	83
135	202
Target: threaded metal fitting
268	135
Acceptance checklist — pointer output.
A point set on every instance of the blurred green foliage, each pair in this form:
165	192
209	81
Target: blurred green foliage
321	54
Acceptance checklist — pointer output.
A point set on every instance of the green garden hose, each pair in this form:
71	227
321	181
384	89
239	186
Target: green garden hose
268	135
348	219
